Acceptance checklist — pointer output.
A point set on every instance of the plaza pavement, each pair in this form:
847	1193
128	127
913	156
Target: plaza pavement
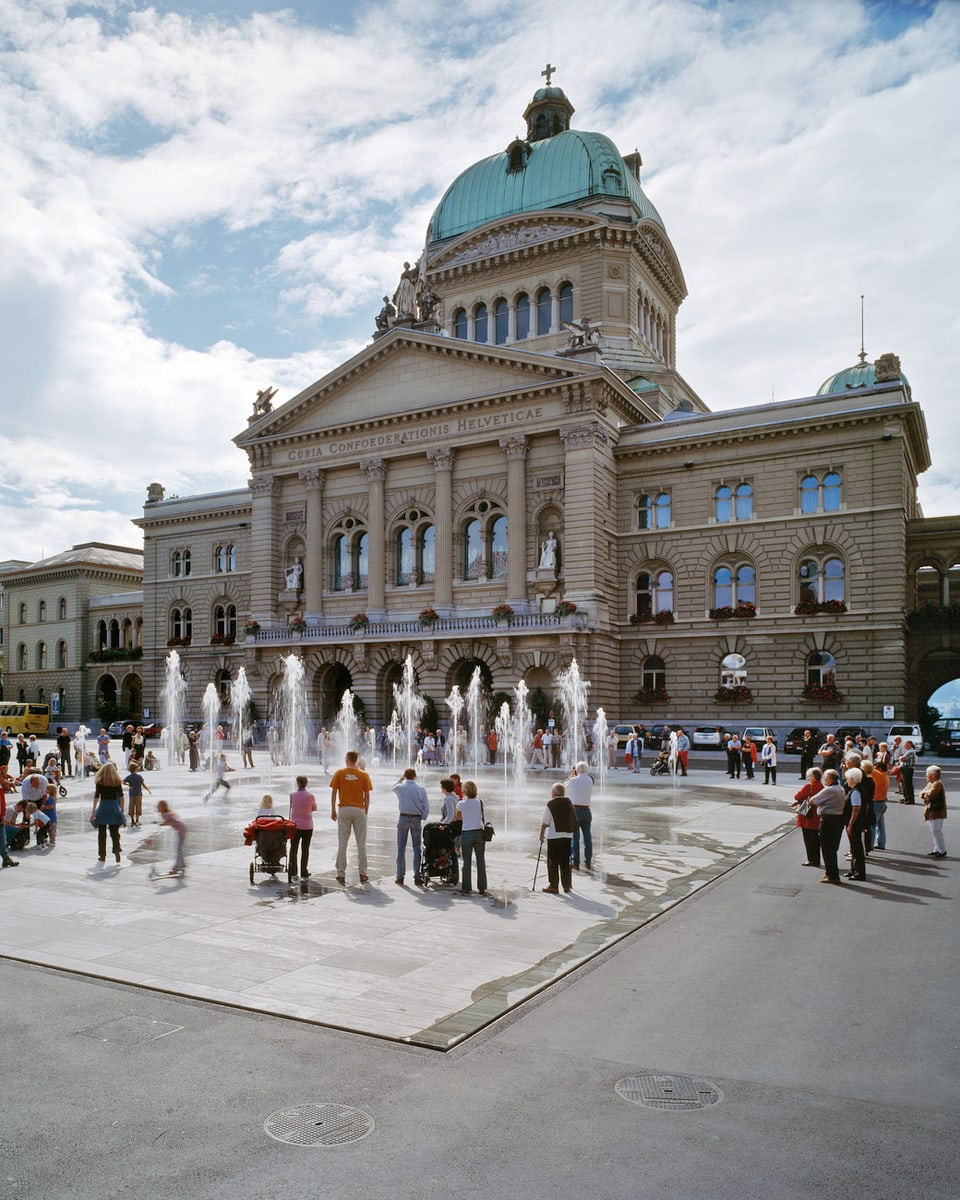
825	1018
425	965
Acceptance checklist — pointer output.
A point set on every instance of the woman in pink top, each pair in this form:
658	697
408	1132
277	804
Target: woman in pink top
303	805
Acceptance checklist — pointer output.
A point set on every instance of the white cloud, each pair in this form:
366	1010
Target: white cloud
797	159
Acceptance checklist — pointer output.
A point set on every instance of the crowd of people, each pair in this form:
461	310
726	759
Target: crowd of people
848	792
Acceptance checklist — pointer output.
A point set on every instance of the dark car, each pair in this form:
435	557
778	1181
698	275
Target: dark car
792	742
116	728
850	731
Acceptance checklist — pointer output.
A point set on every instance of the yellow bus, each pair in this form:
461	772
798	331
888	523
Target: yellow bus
25	718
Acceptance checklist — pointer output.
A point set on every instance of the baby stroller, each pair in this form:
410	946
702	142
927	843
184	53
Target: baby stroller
439	859
662	764
270	835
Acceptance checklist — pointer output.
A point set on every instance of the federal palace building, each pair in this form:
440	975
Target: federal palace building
512	473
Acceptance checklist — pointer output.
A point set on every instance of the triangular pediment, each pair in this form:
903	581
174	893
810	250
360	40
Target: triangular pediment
406	373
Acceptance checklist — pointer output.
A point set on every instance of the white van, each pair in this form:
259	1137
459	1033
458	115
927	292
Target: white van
911	733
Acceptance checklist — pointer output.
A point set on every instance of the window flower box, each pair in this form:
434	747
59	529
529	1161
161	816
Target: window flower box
222	639
251	628
358	622
742	612
297	626
664	617
115	654
428	617
812	608
653	696
739	694
502	614
565	608
822	693
178	641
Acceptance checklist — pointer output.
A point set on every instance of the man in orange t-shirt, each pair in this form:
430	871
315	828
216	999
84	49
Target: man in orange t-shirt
352	787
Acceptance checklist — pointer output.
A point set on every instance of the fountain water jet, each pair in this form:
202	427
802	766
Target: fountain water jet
292	716
573	690
172	695
474	705
455	704
600	729
409	704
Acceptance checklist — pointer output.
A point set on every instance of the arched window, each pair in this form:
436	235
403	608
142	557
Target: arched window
662	511
566	302
818	495
61	656
405	559
42	611
427	554
349	549
460	323
731	504
223	685
225	621
653	512
62	608
226	559
544	310
734	586
114	634
181	623
654	592
500	322
480	323
653	676
21	657
821	669
23	614
127	637
821	580
186	562
472	551
101	635
41	656
181	563
523	316
497	556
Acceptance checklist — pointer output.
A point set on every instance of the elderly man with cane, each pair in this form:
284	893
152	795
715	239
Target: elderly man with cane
558	825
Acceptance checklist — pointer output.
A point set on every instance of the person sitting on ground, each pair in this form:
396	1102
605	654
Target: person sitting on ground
151	762
39	822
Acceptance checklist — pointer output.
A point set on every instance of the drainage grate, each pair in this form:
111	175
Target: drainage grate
668	1092
130	1031
764	890
318	1125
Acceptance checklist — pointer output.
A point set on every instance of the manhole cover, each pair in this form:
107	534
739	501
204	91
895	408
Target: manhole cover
777	891
668	1092
318	1125
130	1031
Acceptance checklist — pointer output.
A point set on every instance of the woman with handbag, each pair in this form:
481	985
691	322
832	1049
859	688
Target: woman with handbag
472	841
808	818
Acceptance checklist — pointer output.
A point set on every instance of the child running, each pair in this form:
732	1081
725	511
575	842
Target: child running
170	818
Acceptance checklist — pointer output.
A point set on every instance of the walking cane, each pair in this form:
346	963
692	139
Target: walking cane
537	868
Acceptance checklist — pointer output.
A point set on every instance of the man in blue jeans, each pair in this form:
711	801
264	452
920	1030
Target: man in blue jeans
579	787
414	809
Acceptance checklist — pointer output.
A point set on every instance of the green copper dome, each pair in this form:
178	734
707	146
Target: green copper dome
862	374
563	171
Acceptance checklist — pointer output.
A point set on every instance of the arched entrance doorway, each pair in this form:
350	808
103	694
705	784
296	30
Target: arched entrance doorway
330	684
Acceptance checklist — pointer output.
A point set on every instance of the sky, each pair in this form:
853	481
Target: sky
204	199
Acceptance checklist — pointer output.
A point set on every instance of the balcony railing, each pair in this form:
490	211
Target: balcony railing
444	627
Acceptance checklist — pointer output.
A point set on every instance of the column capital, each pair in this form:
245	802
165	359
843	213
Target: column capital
516	447
375	469
264	486
584	437
313	478
441	458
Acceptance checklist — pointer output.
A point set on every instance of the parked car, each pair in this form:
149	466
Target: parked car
151	729
946	736
850	731
911	733
116	728
791	743
708	737
758	734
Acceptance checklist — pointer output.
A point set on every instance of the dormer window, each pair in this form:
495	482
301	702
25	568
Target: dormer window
518	153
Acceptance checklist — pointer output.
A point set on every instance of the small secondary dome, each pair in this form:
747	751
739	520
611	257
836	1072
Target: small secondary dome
864	374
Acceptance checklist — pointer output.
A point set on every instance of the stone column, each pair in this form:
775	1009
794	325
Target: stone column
516	451
443	529
266	581
588	474
376	472
313	567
